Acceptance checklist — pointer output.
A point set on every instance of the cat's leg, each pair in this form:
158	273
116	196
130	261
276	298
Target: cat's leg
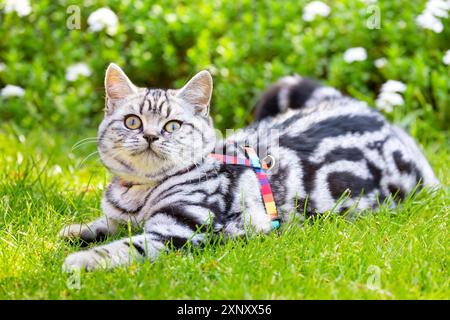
160	230
117	253
93	231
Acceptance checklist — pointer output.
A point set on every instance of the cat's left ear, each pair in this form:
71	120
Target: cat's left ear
197	92
117	84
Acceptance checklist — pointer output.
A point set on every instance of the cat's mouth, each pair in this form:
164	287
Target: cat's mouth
148	150
153	151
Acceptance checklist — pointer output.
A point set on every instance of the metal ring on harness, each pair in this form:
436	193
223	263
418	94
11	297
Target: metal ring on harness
272	162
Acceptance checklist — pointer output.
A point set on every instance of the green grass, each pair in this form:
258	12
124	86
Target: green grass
246	45
401	254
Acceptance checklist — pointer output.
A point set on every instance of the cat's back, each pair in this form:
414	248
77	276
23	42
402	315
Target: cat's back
338	144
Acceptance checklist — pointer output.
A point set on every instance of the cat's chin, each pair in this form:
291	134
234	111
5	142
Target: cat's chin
142	174
148	154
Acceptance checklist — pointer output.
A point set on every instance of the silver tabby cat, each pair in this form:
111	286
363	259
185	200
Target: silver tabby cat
156	143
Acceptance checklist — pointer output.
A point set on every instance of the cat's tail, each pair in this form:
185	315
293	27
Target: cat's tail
290	92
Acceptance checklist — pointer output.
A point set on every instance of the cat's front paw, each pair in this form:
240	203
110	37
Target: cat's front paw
78	231
82	260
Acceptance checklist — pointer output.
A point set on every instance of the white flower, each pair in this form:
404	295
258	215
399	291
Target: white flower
103	18
387	100
430	17
21	7
438	8
2	66
390	96
446	58
380	62
315	8
427	21
393	86
78	69
355	54
12	91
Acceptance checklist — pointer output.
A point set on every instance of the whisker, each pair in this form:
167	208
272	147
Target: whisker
113	155
86	158
83	144
83	140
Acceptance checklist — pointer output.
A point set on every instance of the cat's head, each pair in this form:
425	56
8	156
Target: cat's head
148	134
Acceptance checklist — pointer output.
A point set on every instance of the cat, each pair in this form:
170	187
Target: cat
157	145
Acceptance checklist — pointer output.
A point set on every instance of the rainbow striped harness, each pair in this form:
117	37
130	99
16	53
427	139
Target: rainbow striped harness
261	168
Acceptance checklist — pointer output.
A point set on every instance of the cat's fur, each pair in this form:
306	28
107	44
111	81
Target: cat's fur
324	144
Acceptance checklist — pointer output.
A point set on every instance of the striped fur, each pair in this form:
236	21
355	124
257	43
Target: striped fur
324	144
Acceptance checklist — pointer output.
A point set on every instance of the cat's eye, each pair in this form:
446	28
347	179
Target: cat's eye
172	126
133	122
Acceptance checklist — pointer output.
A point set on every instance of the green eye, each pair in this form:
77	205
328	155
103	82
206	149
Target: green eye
171	126
133	122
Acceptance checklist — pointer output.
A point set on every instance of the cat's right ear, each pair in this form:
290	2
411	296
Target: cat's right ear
197	92
117	84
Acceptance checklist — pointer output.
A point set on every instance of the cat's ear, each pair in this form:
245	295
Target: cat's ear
117	84
197	92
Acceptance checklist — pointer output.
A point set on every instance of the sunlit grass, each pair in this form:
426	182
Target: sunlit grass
399	254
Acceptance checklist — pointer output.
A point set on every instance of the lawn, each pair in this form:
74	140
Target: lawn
53	56
400	254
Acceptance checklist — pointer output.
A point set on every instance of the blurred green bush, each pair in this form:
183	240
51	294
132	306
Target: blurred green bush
246	44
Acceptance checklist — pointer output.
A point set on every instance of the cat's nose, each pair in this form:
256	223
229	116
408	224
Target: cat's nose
150	138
